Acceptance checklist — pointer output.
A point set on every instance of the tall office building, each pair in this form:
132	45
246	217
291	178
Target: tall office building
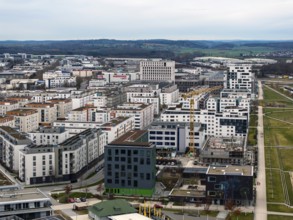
157	70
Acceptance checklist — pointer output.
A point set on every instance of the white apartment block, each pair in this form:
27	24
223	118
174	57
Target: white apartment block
76	127
169	95
220	104
239	76
60	82
143	114
148	100
225	124
102	116
7	121
82	73
26	120
82	114
47	112
11	143
64	106
8	105
100	101
81	98
49	135
62	162
157	70
175	136
116	127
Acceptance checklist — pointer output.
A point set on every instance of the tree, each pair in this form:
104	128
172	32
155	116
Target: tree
67	189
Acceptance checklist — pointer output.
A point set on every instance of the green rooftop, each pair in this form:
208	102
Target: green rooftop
112	207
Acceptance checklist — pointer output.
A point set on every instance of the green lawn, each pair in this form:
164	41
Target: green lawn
271	98
62	197
279	208
289	187
253	120
286	156
279	217
243	216
252	135
278	136
274	186
271	157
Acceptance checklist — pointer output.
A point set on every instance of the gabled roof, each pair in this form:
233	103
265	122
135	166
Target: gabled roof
112	208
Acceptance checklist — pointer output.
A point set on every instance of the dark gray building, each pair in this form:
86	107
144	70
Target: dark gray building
130	165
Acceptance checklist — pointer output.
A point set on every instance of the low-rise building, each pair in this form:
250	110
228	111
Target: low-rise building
25	204
11	143
130	165
230	183
26	120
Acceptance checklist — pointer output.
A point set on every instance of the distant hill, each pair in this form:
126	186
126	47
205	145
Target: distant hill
169	49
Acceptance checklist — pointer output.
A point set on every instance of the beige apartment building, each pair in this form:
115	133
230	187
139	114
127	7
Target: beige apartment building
7	121
8	105
64	106
26	120
47	112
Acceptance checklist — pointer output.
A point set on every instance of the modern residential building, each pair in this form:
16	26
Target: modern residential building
86	113
230	183
81	98
63	162
173	137
11	142
25	204
130	165
240	76
26	120
75	127
8	105
220	104
169	94
157	70
47	112
117	127
143	113
64	106
49	135
219	124
7	121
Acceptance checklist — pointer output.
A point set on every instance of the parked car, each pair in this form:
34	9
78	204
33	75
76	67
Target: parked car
158	206
71	200
77	200
83	199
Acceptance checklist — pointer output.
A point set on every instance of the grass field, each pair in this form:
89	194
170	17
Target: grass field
278	136
274	186
286	156
279	217
279	208
243	216
289	186
252	134
253	120
271	157
272	98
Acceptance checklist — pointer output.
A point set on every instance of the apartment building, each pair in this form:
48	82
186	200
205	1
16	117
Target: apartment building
25	204
240	76
22	100
229	123
174	137
64	106
11	142
220	104
47	112
117	127
157	70
49	135
63	162
230	183
81	98
169	94
75	127
7	121
8	105
130	165
26	120
61	81
86	113
143	113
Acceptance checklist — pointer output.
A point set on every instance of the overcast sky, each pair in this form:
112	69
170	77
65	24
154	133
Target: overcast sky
146	19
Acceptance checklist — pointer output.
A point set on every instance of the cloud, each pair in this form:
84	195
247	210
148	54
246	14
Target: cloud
142	19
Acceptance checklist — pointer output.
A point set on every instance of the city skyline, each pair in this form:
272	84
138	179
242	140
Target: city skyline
112	19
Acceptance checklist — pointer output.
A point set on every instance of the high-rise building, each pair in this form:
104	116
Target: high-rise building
157	70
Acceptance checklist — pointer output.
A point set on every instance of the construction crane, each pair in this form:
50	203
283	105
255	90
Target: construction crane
190	95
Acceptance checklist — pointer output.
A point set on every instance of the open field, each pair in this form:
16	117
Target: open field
253	120
278	136
279	217
271	156
252	134
279	208
273	99
286	156
274	186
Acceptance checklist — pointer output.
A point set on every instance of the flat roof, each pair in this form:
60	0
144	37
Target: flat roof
187	193
115	121
132	138
231	170
22	112
133	216
22	194
13	132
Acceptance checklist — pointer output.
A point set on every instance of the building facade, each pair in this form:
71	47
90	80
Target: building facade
26	120
157	70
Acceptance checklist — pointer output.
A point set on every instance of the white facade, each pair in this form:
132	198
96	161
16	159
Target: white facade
217	124
47	111
143	114
148	100
100	101
157	70
54	135
239	77
75	127
26	120
169	95
81	98
6	106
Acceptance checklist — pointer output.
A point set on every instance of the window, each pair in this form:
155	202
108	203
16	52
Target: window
211	193
212	179
218	186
